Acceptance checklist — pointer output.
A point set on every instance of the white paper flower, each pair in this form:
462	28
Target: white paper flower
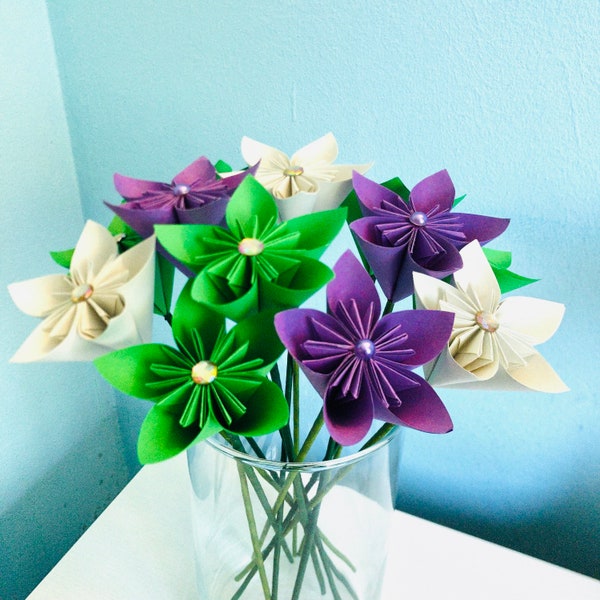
306	182
104	302
492	342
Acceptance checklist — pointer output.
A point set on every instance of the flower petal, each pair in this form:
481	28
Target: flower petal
480	227
95	247
477	279
200	170
372	195
131	188
323	149
538	375
352	283
537	319
435	190
254	151
427	330
421	409
40	296
162	437
348	419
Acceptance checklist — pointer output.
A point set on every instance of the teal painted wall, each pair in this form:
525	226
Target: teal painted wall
62	457
503	94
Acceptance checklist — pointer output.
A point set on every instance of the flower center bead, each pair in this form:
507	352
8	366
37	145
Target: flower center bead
204	372
81	293
250	247
364	349
181	189
293	171
487	321
418	218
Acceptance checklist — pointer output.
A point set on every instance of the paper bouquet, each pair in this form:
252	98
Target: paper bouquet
248	245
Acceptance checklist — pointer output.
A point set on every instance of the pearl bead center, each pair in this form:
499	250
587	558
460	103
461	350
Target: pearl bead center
250	247
204	372
487	321
364	349
181	190
293	171
81	293
418	218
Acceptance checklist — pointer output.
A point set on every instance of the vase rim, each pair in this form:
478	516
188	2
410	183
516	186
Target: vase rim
309	466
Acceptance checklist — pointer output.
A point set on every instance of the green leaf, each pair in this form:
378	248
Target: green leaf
458	200
162	437
164	275
250	204
266	411
189	315
129	369
509	281
498	259
222	167
63	257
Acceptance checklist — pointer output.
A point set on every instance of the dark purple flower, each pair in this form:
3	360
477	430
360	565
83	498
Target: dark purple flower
422	235
362	365
196	195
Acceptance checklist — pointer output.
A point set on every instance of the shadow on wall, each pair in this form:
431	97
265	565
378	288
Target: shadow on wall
547	533
36	531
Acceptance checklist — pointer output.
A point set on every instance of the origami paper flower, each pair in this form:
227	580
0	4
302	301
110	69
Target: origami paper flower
492	340
256	263
362	365
420	235
305	183
196	195
212	381
105	302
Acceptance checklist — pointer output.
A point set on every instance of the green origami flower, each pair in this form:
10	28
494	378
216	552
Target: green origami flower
257	263
212	381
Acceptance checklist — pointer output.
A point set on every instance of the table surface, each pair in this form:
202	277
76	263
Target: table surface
141	547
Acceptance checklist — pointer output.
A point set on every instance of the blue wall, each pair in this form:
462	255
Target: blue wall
62	456
503	94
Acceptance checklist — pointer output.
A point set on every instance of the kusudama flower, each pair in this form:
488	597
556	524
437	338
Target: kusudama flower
196	195
212	381
256	263
306	182
421	235
362	365
492	341
104	302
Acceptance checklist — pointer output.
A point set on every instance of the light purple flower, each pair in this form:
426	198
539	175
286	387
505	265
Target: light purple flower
421	235
196	195
362	365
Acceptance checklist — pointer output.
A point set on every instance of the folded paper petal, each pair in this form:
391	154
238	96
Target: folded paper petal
306	182
105	302
492	341
399	236
361	365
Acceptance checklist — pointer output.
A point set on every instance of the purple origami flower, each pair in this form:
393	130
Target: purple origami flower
362	365
196	195
420	235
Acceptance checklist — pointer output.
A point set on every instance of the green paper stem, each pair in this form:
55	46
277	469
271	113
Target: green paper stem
385	430
253	533
296	404
388	308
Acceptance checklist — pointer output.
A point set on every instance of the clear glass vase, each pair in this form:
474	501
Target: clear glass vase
264	529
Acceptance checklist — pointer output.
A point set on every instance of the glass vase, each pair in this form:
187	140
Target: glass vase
265	529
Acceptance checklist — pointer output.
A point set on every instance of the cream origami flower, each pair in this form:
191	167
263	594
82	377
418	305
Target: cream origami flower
306	182
103	303
492	341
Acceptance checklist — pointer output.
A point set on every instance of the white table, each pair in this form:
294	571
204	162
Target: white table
141	548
